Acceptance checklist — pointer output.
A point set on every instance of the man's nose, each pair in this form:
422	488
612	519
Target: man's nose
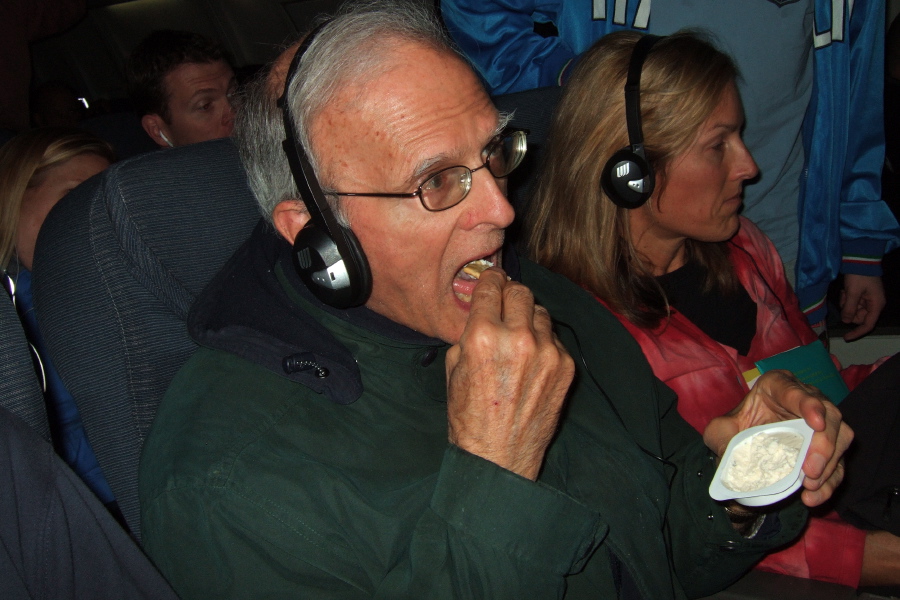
490	204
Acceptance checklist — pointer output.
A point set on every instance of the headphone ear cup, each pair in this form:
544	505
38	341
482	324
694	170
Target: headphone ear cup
341	280
627	179
359	266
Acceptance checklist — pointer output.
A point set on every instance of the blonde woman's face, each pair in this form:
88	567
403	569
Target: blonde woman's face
700	194
39	199
703	187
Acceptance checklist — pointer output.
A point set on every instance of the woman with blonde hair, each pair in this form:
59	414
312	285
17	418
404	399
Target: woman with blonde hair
38	168
638	202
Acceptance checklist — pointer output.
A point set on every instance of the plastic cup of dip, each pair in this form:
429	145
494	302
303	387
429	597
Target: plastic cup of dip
763	464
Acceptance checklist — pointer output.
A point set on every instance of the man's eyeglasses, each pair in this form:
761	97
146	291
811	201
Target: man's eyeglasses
448	187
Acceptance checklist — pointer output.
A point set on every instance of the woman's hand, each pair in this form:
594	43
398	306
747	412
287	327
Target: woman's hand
779	396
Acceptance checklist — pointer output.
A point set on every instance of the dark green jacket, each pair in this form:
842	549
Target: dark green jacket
257	483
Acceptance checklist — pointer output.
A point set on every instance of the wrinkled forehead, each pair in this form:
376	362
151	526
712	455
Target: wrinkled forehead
419	97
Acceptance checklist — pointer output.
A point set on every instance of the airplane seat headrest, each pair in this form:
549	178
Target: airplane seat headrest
117	265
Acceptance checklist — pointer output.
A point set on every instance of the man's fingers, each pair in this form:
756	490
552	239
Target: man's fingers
518	305
543	325
719	432
507	378
816	409
497	299
783	396
487	297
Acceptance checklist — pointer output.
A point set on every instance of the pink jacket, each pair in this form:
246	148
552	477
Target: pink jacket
707	377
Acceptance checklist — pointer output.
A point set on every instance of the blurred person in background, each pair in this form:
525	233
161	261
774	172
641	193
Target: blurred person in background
181	84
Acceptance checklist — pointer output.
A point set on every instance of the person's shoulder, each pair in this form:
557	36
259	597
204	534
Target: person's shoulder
577	312
552	290
216	404
211	371
606	355
568	302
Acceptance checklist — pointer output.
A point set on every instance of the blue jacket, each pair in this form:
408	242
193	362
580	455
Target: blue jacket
844	224
828	162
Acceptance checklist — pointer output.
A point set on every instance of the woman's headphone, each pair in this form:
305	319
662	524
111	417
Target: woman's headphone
327	256
627	178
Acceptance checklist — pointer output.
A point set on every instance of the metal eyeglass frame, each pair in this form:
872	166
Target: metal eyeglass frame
520	143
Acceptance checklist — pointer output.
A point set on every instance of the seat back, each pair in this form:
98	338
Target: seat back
20	392
117	265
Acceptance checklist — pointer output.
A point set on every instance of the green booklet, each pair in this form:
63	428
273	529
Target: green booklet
811	364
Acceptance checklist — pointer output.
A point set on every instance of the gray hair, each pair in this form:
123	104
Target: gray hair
352	47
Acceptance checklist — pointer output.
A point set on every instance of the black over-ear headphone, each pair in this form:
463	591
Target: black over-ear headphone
627	177
327	256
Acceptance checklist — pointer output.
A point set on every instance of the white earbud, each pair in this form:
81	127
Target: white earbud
166	139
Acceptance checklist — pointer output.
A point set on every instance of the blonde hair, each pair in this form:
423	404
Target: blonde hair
573	227
24	163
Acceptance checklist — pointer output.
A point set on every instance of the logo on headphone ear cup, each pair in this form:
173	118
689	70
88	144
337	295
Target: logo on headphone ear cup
339	279
627	178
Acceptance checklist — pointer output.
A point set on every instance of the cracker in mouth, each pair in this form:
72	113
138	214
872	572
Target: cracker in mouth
475	268
467	277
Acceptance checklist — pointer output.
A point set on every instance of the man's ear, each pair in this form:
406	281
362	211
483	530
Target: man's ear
289	217
154	126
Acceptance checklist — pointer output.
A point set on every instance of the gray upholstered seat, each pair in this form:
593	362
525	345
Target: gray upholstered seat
117	265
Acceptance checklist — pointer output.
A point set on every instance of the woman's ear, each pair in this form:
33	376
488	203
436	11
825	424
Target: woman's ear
289	217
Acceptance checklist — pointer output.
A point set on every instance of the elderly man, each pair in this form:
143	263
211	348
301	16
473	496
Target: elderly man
431	443
181	84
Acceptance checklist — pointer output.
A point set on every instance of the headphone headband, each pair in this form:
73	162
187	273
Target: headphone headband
327	256
627	177
304	176
633	89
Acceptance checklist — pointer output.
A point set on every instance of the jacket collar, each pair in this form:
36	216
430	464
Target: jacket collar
257	307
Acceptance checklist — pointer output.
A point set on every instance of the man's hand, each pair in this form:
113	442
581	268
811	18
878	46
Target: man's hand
507	377
779	396
862	301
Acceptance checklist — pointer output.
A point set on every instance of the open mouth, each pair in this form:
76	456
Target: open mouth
467	277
